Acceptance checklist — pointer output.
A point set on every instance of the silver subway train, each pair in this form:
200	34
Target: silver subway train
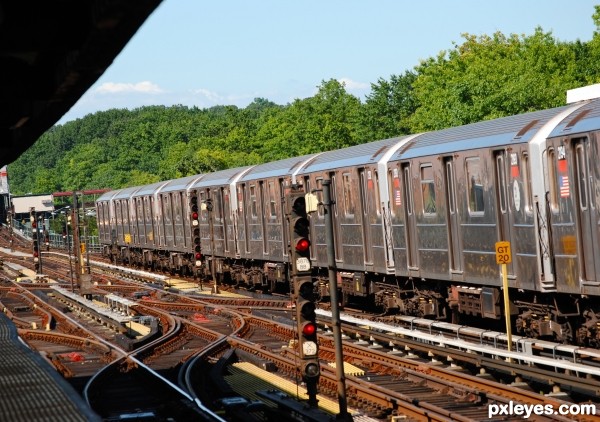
416	220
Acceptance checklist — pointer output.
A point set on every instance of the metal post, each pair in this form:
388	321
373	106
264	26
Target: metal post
86	237
69	250
209	209
39	240
335	311
76	242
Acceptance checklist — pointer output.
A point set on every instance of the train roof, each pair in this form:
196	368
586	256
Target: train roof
370	152
150	189
125	192
107	196
276	168
486	134
182	183
218	178
585	119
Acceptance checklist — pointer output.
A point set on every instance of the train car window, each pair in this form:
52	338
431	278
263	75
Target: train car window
218	206
166	202
203	212
253	210
526	172
363	192
552	182
395	196
240	197
450	187
349	200
475	184
319	192
334	193
501	176
581	169
377	197
428	189
272	200
408	195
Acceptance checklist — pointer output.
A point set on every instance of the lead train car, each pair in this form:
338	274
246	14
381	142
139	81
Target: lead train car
416	219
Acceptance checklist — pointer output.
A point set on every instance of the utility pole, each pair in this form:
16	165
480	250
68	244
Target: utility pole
335	311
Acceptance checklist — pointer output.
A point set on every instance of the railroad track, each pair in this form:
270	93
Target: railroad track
196	329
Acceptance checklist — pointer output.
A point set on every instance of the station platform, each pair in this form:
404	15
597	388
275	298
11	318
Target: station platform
31	389
247	379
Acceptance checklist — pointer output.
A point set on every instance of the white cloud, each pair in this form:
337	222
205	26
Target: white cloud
214	98
145	87
353	85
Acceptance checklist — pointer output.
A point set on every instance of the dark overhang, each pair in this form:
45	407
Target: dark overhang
51	52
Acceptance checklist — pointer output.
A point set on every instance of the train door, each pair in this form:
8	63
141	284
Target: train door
243	215
167	212
587	213
119	220
503	214
285	231
263	217
409	218
336	218
365	180
227	222
452	217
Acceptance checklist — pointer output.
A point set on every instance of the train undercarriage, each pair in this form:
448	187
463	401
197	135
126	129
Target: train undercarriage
561	318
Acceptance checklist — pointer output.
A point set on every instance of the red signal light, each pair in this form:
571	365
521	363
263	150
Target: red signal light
195	215
302	245
198	256
309	329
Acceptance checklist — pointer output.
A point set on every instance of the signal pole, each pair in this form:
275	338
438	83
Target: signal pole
301	279
37	256
335	311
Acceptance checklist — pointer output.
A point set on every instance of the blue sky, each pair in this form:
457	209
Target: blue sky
205	53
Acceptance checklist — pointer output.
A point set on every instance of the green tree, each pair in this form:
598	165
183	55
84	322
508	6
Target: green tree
492	76
388	107
327	121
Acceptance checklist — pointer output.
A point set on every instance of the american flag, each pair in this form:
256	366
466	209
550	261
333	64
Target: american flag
564	186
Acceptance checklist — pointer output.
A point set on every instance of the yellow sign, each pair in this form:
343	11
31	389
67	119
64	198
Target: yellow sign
127	238
503	253
82	246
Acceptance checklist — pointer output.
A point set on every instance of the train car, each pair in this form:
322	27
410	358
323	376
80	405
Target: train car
217	222
173	201
264	234
149	249
115	210
569	250
105	221
359	232
454	198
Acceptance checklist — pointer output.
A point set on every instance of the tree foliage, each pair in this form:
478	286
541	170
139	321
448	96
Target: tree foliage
484	77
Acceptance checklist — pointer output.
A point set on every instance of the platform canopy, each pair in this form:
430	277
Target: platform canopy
51	52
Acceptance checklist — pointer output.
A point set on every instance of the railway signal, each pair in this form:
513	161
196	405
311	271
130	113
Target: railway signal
301	274
35	241
300	227
195	229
